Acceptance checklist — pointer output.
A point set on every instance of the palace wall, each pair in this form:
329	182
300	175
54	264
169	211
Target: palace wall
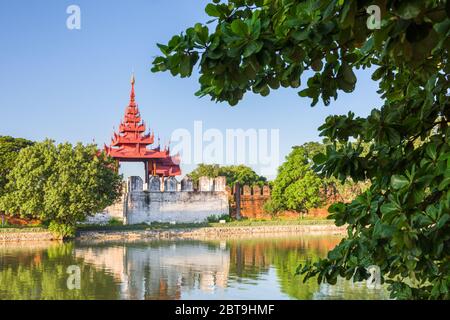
167	201
182	202
181	207
252	201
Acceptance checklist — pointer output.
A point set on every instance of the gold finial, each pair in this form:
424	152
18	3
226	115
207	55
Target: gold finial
132	78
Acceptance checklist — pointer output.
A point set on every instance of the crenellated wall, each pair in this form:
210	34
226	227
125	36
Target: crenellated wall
181	207
252	201
167	201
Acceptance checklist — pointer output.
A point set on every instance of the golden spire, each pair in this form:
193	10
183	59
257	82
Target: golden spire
132	95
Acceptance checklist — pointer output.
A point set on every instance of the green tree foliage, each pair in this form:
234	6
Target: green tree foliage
9	149
401	223
333	188
241	173
204	170
297	186
60	185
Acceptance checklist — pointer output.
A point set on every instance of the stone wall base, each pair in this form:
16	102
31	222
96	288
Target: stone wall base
27	236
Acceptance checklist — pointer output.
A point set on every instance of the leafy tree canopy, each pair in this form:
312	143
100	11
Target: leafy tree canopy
234	174
401	223
60	184
9	149
333	188
297	186
205	170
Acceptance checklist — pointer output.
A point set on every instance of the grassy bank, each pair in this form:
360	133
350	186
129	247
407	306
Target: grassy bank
255	223
167	226
235	223
12	229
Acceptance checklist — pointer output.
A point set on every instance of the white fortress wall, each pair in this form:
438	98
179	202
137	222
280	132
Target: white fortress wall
167	201
181	207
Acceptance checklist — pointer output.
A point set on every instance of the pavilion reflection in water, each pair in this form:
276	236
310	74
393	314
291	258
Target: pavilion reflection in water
162	271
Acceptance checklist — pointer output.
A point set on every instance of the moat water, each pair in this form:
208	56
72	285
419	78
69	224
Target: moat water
262	268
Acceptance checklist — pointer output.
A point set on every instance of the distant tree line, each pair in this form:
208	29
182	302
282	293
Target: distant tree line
234	174
299	186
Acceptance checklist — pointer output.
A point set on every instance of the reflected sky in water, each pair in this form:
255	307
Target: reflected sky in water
237	269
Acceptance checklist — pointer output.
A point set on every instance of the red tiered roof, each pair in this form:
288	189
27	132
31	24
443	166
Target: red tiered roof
130	144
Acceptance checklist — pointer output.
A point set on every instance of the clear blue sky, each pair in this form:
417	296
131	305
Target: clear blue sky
73	85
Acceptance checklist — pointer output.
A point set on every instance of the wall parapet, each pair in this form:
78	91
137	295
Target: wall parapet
167	200
251	200
180	207
247	190
171	184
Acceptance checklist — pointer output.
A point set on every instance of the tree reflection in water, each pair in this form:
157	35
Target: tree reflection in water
39	271
231	269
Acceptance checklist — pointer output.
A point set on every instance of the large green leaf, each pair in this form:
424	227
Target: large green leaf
445	182
399	181
239	27
389	208
212	10
252	48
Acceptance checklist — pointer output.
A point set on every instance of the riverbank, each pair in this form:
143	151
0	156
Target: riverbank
246	228
209	233
26	234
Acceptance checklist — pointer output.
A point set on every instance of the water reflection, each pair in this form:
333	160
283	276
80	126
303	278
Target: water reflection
234	269
39	271
161	270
